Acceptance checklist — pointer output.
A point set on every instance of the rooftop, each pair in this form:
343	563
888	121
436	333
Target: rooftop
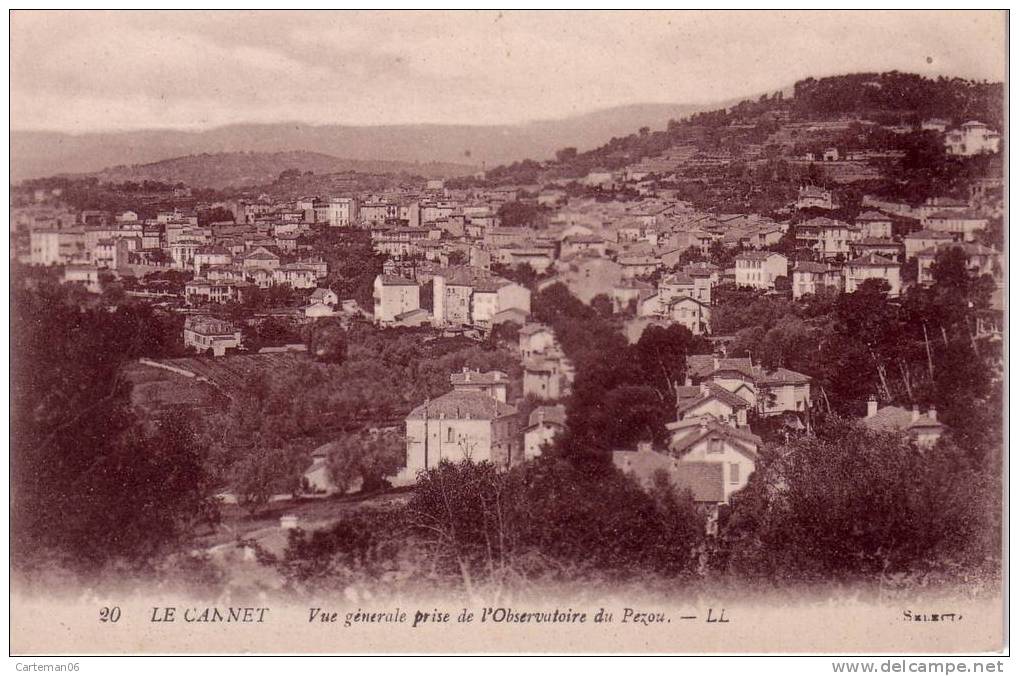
872	260
477	377
552	415
896	418
396	280
460	404
209	326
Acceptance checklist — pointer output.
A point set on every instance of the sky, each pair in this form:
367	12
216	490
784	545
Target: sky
101	71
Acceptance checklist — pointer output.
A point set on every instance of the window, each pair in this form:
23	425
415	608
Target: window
715	446
734	472
449	434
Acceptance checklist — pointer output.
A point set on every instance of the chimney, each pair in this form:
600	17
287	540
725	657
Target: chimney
716	363
643	446
705	391
871	406
932	413
687	382
916	412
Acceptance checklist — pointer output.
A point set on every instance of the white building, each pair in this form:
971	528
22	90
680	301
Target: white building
972	138
206	334
543	426
394	296
873	266
760	269
461	425
341	212
962	225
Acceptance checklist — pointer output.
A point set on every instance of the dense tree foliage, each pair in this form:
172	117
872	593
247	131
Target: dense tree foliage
95	485
850	503
353	262
471	527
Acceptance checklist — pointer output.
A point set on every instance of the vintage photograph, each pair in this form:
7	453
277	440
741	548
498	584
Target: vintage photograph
507	332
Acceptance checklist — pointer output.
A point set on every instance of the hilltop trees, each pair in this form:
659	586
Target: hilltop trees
894	92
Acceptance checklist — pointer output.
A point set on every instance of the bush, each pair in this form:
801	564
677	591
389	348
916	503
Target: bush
547	520
854	503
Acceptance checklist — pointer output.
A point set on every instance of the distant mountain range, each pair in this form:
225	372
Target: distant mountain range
236	169
461	148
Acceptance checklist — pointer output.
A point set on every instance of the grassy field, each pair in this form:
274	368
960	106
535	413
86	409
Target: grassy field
154	389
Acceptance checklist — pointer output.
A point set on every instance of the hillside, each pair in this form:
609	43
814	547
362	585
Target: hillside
36	154
235	169
881	98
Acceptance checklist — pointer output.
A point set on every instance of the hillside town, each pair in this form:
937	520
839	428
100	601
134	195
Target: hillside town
758	206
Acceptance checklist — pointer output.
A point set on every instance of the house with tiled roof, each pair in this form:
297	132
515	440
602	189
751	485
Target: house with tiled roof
495	384
874	224
461	425
211	255
535	338
810	278
814	197
829	237
711	399
575	244
704	480
199	291
394	295
295	275
705	439
760	269
543	425
545	376
972	138
638	266
260	258
690	312
925	428
873	266
962	224
769	392
324	296
469	296
917	241
888	248
980	260
206	334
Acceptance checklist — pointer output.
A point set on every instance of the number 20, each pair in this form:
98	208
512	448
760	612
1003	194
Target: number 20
109	614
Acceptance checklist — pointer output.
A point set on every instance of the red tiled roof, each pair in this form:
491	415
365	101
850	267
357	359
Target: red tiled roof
872	260
810	266
873	216
929	234
396	280
709	391
743	441
477	378
896	418
549	415
461	405
705	480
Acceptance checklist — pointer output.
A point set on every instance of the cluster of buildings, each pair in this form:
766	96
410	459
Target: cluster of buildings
450	258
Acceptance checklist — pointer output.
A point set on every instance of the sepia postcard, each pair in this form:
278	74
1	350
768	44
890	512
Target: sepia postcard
508	332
